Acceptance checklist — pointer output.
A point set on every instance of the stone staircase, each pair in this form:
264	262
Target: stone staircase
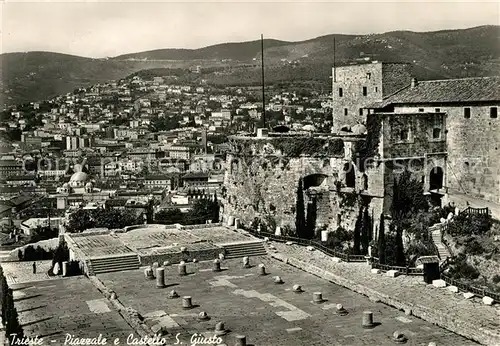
242	249
114	263
442	249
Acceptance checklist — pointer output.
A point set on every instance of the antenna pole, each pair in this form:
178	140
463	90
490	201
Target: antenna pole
263	85
334	69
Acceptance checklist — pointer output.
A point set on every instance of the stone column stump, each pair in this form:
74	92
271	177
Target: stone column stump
246	262
160	277
262	269
65	268
187	302
341	311
216	266
219	329
182	269
241	340
317	297
367	321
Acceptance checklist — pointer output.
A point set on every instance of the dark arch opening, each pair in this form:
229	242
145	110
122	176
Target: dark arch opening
314	180
436	178
350	175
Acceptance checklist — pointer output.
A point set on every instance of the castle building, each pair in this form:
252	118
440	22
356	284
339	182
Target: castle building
356	86
339	176
472	128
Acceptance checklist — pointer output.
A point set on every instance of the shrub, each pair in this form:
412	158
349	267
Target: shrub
460	269
464	224
495	279
339	239
473	246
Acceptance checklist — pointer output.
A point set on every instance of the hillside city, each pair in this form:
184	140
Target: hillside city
366	214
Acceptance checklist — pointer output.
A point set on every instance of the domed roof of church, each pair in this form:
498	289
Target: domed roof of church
79	176
359	129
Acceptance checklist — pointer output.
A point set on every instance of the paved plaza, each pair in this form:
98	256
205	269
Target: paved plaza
267	313
50	309
22	272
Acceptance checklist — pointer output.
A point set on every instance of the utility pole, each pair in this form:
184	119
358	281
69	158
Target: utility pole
263	85
334	69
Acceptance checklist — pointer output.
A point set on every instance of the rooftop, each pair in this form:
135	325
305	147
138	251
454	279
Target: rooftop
478	89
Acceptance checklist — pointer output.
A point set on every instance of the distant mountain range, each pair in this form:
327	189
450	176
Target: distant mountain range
35	76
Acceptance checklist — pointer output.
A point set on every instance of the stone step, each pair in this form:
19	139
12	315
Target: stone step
244	252
125	260
112	270
112	265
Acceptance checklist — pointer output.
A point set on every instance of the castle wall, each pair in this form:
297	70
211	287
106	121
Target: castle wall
473	148
266	188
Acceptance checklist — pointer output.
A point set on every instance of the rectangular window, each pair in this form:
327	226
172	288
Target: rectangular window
493	112
341	92
403	135
345	111
369	75
361	111
376	89
467	113
437	110
421	110
365	91
436	133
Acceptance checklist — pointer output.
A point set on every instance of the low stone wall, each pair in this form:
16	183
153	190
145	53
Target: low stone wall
205	225
177	256
130	315
437	317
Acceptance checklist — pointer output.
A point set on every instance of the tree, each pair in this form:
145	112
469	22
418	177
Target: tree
170	216
381	240
202	211
79	221
311	219
366	231
407	200
300	220
400	251
357	233
83	219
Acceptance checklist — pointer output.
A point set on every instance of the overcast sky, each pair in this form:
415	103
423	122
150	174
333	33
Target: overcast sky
100	29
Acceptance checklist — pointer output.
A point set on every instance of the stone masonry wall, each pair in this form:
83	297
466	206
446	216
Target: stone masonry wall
473	148
352	79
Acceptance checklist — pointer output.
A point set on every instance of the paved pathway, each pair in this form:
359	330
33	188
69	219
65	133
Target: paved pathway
411	290
461	201
22	272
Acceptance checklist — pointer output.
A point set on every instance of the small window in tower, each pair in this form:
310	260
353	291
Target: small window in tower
403	135
376	89
437	110
369	75
421	110
365	91
341	92
493	112
345	111
467	113
361	111
436	133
